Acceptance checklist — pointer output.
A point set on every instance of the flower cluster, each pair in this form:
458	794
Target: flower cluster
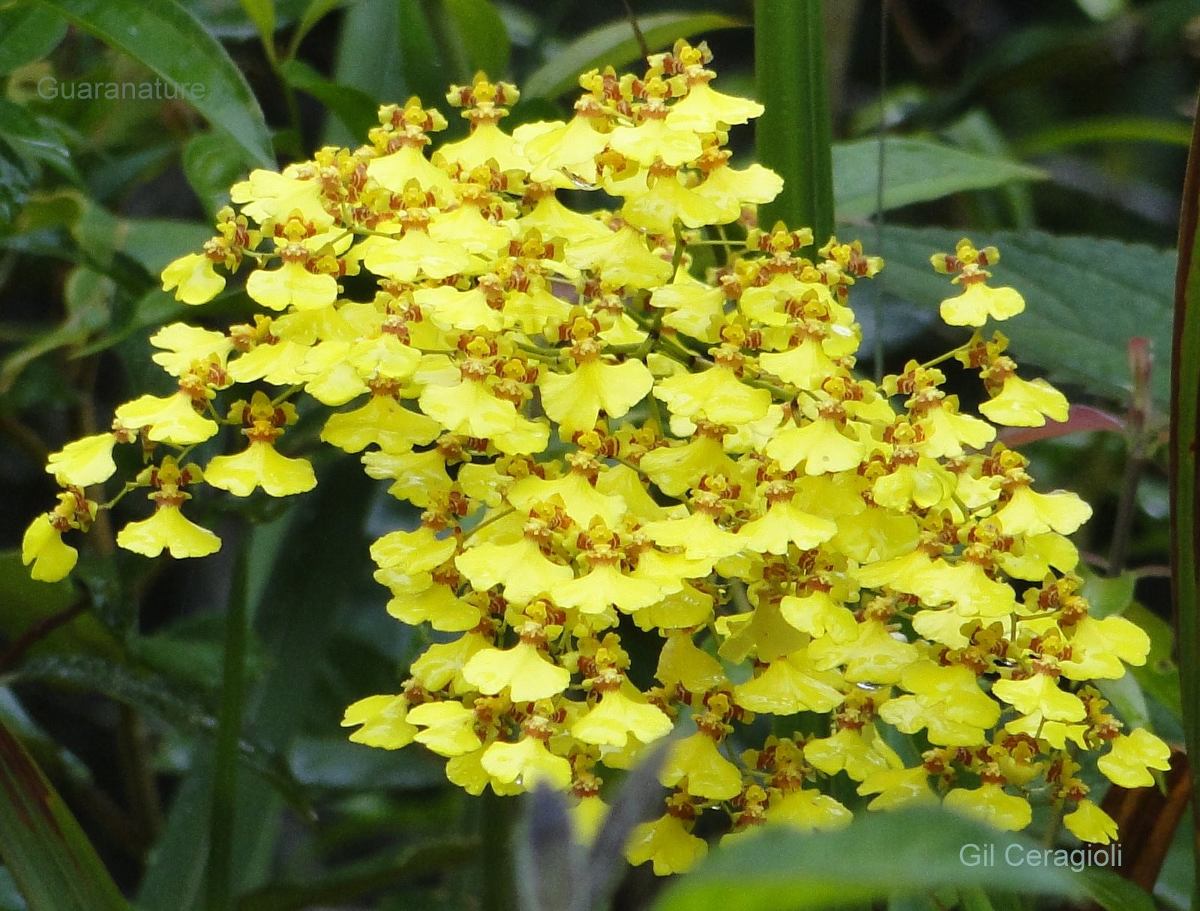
608	445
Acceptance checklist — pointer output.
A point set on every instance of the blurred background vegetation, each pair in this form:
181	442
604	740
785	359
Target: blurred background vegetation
1057	130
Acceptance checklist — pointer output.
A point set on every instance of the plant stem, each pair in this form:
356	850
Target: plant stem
637	29
1126	506
229	727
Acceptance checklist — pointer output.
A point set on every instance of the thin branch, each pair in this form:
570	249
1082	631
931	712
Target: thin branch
637	29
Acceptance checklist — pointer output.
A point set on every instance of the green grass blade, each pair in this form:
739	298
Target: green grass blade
48	854
1185	433
794	134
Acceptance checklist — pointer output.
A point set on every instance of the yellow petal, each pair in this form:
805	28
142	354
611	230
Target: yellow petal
291	285
979	301
786	523
808	810
606	585
520	568
270	195
668	844
615	717
182	345
414	551
896	787
193	279
1040	693
1031	513
523	669
526	762
468	408
382	421
707	772
681	663
790	685
820	445
706	110
170	419
1025	403
447	728
260	465
990	804
170	530
716	394
43	546
383	722
1131	757
1089	823
574	400
85	461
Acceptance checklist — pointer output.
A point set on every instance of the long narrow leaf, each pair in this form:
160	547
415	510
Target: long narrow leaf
878	856
614	45
49	856
794	134
918	170
1185	435
172	42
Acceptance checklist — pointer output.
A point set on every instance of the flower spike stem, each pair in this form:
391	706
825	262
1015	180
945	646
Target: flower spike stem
229	726
793	135
1185	430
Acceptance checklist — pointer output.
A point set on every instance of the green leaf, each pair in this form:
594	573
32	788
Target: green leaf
171	42
1084	295
353	107
482	34
1106	130
877	856
915	170
370	58
1159	676
27	33
16	180
1125	694
157	697
1108	594
36	140
614	45
1113	892
211	168
338	764
55	866
262	14
313	13
794	134
28	604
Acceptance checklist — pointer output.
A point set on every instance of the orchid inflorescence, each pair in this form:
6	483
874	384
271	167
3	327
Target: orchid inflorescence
606	444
